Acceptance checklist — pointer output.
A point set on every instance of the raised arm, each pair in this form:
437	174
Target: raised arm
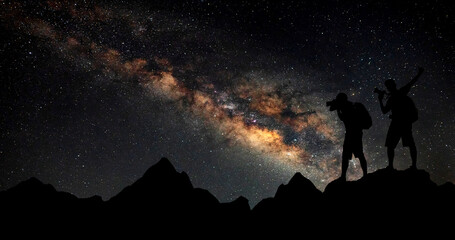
408	86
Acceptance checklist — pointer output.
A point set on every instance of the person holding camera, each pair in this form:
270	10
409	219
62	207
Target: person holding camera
355	118
404	113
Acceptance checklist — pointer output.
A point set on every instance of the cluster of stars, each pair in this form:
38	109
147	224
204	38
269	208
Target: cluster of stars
232	92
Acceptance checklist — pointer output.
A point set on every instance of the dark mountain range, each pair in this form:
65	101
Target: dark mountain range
384	201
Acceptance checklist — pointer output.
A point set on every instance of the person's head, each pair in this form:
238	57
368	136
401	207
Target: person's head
342	99
390	85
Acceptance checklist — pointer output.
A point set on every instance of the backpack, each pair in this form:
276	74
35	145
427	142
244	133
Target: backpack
363	116
408	109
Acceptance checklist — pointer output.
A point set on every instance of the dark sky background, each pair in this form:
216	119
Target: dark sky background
232	92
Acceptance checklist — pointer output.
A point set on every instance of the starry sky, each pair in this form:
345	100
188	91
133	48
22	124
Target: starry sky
232	92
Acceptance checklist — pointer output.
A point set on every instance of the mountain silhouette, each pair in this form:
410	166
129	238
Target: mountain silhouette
34	196
385	200
161	184
295	205
167	197
294	196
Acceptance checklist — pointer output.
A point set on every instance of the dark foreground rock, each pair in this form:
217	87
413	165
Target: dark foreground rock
387	202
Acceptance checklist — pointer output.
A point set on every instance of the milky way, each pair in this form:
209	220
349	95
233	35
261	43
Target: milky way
262	109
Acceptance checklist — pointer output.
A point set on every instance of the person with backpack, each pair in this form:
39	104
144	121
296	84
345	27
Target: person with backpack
404	114
355	118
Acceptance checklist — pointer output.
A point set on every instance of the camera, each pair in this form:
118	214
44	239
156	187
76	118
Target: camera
332	104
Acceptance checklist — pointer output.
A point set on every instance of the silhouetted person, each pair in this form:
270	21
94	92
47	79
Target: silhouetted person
403	115
355	118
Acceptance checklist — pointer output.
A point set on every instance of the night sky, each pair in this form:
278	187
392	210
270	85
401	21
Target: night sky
93	93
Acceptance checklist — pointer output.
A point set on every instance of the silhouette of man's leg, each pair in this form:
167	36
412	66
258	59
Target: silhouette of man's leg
363	164
344	166
408	140
358	153
413	150
393	137
390	155
346	156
